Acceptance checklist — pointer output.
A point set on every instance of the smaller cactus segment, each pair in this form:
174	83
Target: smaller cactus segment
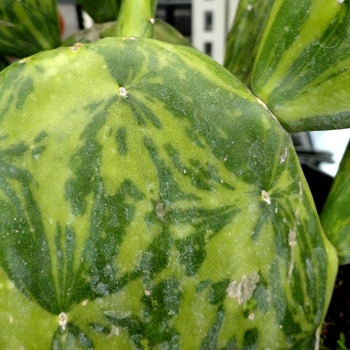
244	37
335	215
101	11
303	64
27	27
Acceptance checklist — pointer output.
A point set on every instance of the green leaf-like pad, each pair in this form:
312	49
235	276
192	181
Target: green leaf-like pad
244	37
101	11
302	68
28	26
335	216
148	199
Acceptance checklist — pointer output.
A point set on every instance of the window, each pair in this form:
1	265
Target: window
208	21
208	48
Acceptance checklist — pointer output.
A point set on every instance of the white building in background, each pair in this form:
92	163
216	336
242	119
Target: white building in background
211	21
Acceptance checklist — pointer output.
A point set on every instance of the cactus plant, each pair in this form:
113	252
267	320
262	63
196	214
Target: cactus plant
149	200
28	26
101	11
335	214
244	38
162	31
302	65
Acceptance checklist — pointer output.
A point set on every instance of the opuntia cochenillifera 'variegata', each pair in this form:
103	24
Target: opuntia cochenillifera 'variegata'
149	200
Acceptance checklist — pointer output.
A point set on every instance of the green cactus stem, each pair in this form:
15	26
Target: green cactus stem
136	18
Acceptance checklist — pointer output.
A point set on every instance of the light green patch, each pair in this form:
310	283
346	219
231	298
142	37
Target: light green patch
19	317
196	315
90	316
181	231
134	245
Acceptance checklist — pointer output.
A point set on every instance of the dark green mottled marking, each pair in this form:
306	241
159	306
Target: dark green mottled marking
39	69
15	150
85	165
122	141
65	241
100	329
37	151
71	337
210	341
284	311
251	339
169	189
261	294
202	286
202	175
156	256
198	180
60	254
161	304
21	225
192	252
142	113
99	115
278	300
206	224
248	166
164	300
290	324
258	227
218	292
41	136
93	106
195	137
137	114
86	162
110	216
231	345
298	294
121	76
7	104
26	88
313	264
